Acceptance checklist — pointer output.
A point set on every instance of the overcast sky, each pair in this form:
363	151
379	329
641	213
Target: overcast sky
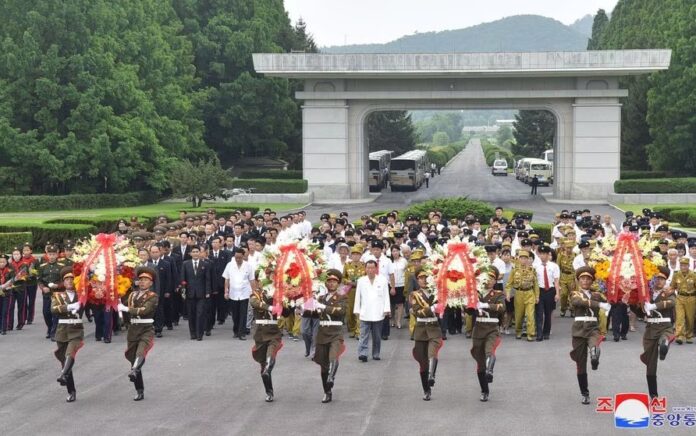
339	22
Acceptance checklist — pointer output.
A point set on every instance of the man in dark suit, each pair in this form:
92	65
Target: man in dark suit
222	229
219	259
195	275
164	286
171	312
239	235
181	253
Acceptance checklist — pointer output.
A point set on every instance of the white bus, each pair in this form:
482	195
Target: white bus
408	170
539	167
548	155
379	169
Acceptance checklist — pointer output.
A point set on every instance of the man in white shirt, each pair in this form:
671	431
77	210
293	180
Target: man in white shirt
581	259
492	252
239	280
372	305
548	274
385	268
340	257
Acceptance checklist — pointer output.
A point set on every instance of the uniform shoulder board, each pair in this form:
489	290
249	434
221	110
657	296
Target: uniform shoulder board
60	263
43	264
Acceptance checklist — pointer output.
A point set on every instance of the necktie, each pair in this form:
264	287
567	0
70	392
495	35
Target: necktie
546	278
195	268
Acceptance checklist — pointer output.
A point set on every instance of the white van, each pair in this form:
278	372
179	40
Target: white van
499	167
539	167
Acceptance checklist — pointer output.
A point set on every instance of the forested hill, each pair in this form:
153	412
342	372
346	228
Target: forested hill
516	33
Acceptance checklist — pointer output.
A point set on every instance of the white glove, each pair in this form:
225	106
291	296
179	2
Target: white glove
434	308
52	285
122	307
605	306
74	307
649	307
270	308
319	306
480	305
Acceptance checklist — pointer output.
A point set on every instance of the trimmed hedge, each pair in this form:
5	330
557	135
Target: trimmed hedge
441	154
42	234
33	203
634	174
452	208
271	174
10	240
270	186
684	215
490	150
684	185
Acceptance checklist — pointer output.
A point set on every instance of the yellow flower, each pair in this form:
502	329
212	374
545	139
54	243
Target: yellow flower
602	270
650	269
123	284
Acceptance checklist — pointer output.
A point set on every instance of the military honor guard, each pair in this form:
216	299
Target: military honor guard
659	332
70	332
49	281
427	334
267	338
142	304
329	341
585	330
486	335
523	279
684	282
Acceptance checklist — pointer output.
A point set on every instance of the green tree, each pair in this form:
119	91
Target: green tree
203	180
391	130
450	122
534	132
504	135
598	25
441	138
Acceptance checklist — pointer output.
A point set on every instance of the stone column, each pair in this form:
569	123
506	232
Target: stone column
596	147
325	148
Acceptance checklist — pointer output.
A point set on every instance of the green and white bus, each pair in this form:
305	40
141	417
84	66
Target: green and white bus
408	170
379	169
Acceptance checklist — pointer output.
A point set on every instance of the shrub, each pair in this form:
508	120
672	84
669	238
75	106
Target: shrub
42	234
271	174
656	186
270	186
633	174
20	203
10	240
452	208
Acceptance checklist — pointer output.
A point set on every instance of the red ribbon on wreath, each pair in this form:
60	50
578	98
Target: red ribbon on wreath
627	244
105	247
293	262
461	251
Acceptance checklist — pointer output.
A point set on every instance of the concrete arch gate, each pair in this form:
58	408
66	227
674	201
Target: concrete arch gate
581	89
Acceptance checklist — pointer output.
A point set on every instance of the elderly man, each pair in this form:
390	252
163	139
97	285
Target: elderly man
372	305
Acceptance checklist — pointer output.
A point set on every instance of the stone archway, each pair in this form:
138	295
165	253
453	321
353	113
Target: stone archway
581	89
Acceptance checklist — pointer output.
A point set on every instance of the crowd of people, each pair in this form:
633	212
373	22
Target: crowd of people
203	268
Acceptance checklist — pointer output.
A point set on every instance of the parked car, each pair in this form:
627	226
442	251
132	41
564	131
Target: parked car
500	166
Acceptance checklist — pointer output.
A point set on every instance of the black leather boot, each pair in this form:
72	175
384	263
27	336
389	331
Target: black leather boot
139	386
268	385
139	395
652	386
490	364
432	368
584	391
327	388
268	367
426	386
664	347
70	384
331	376
594	357
67	369
135	370
483	382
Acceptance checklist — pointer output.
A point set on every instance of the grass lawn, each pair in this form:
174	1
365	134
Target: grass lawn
169	209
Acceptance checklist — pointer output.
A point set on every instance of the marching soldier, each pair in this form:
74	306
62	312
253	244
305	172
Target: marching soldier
585	329
565	260
486	336
267	338
49	279
684	282
141	307
658	331
329	341
70	332
411	284
352	271
427	334
523	279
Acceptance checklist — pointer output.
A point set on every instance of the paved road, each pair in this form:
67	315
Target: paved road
468	175
213	388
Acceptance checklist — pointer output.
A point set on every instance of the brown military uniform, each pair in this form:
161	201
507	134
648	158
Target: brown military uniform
585	333
485	334
329	339
69	336
427	334
267	338
141	336
352	271
685	285
524	281
658	329
567	279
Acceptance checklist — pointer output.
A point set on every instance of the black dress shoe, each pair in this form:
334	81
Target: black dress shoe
242	338
107	341
48	336
193	338
483	397
546	337
71	397
139	396
385	338
169	327
236	335
200	338
158	334
539	339
585	399
624	338
207	333
19	327
376	358
98	339
362	358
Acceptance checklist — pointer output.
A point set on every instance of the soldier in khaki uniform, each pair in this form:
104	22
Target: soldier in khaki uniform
486	335
332	309
427	334
658	331
70	333
267	338
49	282
141	307
585	330
411	284
352	271
567	280
523	279
684	282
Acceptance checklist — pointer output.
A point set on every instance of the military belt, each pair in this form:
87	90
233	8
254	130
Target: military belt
142	320
495	320
69	321
426	320
266	321
585	318
658	320
330	323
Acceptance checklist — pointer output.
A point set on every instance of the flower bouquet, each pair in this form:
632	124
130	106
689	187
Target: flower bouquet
458	272
291	273
104	269
624	266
